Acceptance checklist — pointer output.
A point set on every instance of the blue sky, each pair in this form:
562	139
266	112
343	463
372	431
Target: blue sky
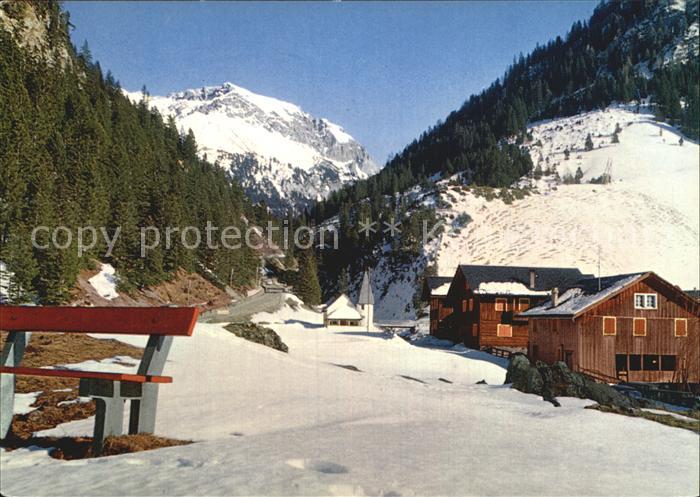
384	71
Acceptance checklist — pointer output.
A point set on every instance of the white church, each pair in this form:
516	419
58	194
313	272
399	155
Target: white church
342	311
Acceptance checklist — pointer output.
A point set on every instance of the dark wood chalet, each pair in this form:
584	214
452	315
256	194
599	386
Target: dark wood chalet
435	294
632	327
488	300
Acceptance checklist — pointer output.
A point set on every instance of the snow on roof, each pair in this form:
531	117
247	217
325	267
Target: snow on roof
546	278
438	285
506	288
442	289
584	295
342	308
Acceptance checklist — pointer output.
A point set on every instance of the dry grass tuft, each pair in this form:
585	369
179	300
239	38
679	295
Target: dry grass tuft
50	349
665	419
68	448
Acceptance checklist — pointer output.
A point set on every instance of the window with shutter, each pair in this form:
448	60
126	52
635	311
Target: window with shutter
680	327
639	328
501	304
504	330
523	304
609	325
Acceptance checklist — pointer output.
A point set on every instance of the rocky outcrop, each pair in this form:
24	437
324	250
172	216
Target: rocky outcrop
258	334
558	380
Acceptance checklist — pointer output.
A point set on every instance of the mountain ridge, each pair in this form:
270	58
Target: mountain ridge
280	154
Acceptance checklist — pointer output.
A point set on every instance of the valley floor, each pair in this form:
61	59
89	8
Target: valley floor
348	412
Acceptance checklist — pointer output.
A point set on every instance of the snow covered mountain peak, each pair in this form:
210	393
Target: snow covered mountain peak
280	154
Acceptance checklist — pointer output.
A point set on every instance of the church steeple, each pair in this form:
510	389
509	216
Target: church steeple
366	296
365	301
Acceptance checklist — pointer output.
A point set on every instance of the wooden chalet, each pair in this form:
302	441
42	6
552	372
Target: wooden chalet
632	327
488	301
435	294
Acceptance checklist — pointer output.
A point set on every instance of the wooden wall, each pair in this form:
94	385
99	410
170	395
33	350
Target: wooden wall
490	318
594	351
439	310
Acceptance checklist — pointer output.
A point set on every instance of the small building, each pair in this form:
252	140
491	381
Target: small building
488	302
435	294
630	327
342	312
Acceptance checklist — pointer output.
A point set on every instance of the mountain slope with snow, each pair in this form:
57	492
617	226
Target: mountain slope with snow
279	153
646	218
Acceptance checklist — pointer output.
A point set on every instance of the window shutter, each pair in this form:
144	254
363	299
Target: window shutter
639	328
681	327
504	330
609	325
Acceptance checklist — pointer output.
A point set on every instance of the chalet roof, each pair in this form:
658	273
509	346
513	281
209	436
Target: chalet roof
546	278
584	295
366	295
438	285
342	308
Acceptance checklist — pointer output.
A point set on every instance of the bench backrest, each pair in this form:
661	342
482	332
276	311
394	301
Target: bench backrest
162	321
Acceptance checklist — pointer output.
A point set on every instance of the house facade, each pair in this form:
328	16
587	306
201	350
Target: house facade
488	302
635	327
435	294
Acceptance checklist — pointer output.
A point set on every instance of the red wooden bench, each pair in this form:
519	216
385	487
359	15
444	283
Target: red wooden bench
109	390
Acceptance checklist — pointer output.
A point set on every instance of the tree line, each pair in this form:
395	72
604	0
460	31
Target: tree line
74	152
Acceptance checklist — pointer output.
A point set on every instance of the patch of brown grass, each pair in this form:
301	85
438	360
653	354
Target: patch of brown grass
664	419
183	288
68	448
50	349
49	414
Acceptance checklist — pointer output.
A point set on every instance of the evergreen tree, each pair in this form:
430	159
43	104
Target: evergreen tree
589	142
343	281
307	286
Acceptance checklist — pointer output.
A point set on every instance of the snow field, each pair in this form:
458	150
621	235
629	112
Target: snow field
269	423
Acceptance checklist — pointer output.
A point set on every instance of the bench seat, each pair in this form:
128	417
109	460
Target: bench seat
97	375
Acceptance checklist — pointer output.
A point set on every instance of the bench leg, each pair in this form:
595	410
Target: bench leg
109	420
11	356
142	416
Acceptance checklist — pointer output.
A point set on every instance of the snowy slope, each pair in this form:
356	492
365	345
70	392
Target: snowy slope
648	218
277	151
269	423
